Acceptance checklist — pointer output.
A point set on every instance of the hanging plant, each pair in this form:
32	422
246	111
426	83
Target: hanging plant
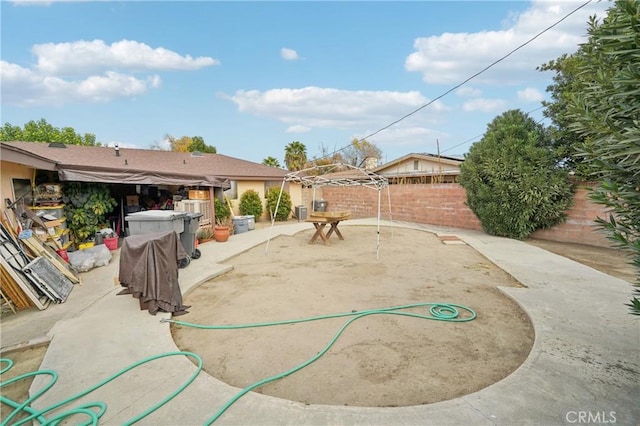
86	207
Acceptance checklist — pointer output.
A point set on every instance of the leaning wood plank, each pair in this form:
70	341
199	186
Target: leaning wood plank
10	222
24	286
13	291
8	302
40	249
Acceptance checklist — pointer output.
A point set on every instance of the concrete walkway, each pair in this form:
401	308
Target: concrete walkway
584	366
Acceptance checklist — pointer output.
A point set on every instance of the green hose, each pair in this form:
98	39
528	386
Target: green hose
84	409
438	311
95	410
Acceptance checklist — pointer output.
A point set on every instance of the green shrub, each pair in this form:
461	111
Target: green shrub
284	208
251	204
513	182
222	210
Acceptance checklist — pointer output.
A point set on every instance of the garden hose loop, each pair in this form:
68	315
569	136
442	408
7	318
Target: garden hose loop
92	412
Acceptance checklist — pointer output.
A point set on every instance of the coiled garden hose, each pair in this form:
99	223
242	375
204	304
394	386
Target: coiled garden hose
95	410
84	409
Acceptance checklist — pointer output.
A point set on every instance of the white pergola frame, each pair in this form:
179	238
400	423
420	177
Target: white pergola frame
330	175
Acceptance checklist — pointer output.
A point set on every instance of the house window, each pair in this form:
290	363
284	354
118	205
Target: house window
416	165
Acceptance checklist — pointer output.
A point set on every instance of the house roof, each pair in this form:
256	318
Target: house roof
449	160
142	166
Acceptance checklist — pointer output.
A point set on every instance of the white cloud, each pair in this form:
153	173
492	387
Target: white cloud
82	57
289	54
453	57
297	129
468	92
24	87
332	108
90	72
484	105
530	94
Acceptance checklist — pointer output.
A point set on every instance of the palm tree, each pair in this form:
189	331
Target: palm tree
295	156
271	162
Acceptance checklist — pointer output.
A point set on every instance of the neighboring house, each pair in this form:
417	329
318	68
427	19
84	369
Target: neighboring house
128	170
421	168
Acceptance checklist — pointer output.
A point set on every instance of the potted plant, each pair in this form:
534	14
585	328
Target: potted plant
222	228
204	234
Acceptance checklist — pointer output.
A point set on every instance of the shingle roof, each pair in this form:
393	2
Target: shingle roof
151	161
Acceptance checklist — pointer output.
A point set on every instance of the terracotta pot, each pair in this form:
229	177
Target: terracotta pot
221	233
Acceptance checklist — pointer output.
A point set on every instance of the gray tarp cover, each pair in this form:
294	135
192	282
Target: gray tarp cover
149	269
139	177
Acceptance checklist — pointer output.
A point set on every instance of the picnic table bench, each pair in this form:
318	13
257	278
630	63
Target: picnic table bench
321	219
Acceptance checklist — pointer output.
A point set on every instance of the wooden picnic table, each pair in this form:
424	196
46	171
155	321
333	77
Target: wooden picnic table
321	219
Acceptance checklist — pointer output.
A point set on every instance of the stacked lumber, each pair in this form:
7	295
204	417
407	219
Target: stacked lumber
33	273
11	289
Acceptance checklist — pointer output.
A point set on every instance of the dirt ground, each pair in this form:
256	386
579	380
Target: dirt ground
369	349
611	261
380	360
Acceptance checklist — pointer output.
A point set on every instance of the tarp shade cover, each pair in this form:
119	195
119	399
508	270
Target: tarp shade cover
149	269
139	177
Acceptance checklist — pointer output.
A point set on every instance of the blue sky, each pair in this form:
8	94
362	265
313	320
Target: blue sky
251	77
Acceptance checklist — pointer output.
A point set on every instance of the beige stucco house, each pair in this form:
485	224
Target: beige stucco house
128	171
421	168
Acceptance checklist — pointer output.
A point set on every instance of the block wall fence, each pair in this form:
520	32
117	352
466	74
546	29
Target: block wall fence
445	205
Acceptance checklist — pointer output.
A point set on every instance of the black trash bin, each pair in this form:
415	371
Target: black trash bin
320	206
188	236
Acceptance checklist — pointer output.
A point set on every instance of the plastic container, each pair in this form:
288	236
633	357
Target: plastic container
63	254
86	245
301	212
188	236
110	242
251	222
240	224
320	206
153	221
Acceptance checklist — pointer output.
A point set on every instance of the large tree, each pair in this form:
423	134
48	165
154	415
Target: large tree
42	131
566	81
606	114
326	158
512	179
197	144
189	144
360	150
295	156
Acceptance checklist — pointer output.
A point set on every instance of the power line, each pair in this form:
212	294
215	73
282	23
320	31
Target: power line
470	78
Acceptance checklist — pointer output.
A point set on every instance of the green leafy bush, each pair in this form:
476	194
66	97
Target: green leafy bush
222	210
284	208
251	204
86	208
606	113
513	182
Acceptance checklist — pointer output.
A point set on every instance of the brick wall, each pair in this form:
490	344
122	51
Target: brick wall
579	226
444	205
